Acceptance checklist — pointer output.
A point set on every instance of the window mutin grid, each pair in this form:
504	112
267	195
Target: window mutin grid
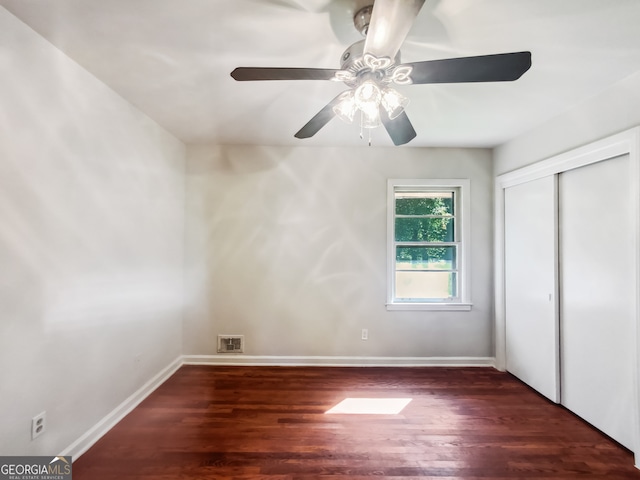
428	231
425	244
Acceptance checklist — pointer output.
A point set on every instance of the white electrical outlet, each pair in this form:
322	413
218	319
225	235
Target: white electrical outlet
38	425
365	334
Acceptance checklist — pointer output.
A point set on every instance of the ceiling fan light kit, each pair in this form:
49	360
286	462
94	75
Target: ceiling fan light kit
370	67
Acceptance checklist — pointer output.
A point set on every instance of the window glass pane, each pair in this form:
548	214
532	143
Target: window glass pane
425	285
426	258
424	229
424	203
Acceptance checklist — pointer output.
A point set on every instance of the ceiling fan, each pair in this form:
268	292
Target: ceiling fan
370	67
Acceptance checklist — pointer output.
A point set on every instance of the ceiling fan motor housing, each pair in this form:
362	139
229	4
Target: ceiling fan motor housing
352	61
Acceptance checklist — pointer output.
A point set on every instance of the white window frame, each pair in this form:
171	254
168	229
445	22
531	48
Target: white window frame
463	221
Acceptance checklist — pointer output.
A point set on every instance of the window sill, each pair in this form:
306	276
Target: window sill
451	307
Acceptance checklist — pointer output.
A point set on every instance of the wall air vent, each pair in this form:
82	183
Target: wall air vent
230	343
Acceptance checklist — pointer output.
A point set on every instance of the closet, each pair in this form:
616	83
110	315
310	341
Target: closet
530	284
570	288
597	295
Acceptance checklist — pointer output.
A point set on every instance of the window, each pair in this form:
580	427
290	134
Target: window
428	228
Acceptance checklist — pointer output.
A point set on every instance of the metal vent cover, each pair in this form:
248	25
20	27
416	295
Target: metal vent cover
230	343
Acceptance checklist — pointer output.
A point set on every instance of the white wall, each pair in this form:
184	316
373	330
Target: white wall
288	247
614	110
91	221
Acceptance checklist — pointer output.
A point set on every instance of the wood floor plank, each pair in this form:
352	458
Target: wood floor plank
270	423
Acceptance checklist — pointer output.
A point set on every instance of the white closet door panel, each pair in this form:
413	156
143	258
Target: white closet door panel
530	284
597	295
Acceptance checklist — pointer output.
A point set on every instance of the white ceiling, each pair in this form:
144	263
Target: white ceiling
172	59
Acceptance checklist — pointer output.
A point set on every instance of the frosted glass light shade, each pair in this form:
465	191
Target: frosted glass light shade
368	95
367	98
393	102
346	109
370	118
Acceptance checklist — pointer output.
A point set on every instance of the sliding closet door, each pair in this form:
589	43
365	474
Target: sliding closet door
530	284
597	295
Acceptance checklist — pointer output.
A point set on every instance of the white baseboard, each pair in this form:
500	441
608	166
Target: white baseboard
330	361
96	432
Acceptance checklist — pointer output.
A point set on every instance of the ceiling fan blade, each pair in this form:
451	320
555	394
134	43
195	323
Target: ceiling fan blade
390	23
399	129
243	74
502	67
319	120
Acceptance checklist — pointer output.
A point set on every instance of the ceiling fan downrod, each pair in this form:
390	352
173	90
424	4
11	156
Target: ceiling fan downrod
362	19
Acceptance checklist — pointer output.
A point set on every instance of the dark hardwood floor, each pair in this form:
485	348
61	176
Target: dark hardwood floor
270	423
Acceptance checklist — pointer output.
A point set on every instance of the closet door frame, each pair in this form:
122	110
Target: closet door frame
624	143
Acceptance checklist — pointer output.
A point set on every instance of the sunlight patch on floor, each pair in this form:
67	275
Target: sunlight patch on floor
370	406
